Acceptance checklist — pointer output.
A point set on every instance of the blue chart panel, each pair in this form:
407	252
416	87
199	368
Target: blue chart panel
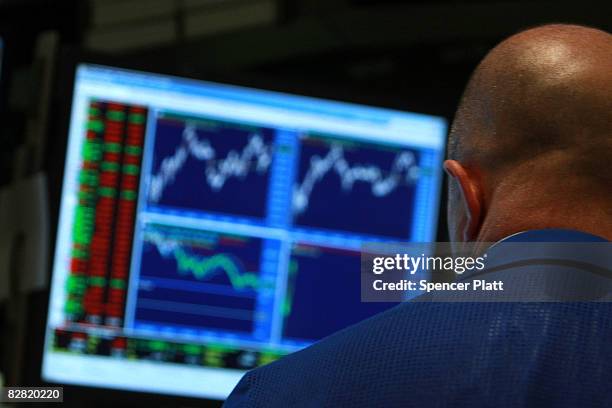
372	187
324	293
208	165
198	279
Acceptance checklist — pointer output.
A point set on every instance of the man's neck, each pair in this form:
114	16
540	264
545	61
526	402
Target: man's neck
507	218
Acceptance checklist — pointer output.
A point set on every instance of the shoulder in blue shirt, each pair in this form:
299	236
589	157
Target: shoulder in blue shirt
451	354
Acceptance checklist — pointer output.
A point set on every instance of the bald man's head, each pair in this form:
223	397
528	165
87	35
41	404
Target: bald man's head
537	110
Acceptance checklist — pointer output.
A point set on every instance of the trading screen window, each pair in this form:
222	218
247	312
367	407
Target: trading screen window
208	229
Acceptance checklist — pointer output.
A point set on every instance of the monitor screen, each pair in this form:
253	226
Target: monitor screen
207	229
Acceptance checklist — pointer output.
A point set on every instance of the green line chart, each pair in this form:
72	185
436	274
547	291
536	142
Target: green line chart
204	267
203	256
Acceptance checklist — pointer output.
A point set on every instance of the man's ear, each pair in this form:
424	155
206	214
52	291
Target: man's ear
471	195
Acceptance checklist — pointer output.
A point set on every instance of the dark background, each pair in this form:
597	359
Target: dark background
412	55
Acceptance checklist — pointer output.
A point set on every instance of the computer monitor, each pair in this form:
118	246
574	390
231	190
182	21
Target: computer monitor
206	229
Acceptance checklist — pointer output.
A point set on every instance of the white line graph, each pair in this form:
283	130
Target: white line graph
165	246
404	171
255	156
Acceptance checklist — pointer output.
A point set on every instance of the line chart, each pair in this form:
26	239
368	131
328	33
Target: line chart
203	267
255	156
204	166
404	170
199	279
372	186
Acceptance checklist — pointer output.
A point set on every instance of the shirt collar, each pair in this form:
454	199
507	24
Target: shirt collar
553	235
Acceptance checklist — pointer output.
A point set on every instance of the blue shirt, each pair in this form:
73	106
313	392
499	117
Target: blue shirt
452	354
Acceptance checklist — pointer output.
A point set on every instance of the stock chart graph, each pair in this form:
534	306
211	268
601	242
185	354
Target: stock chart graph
331	276
207	165
199	279
372	186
